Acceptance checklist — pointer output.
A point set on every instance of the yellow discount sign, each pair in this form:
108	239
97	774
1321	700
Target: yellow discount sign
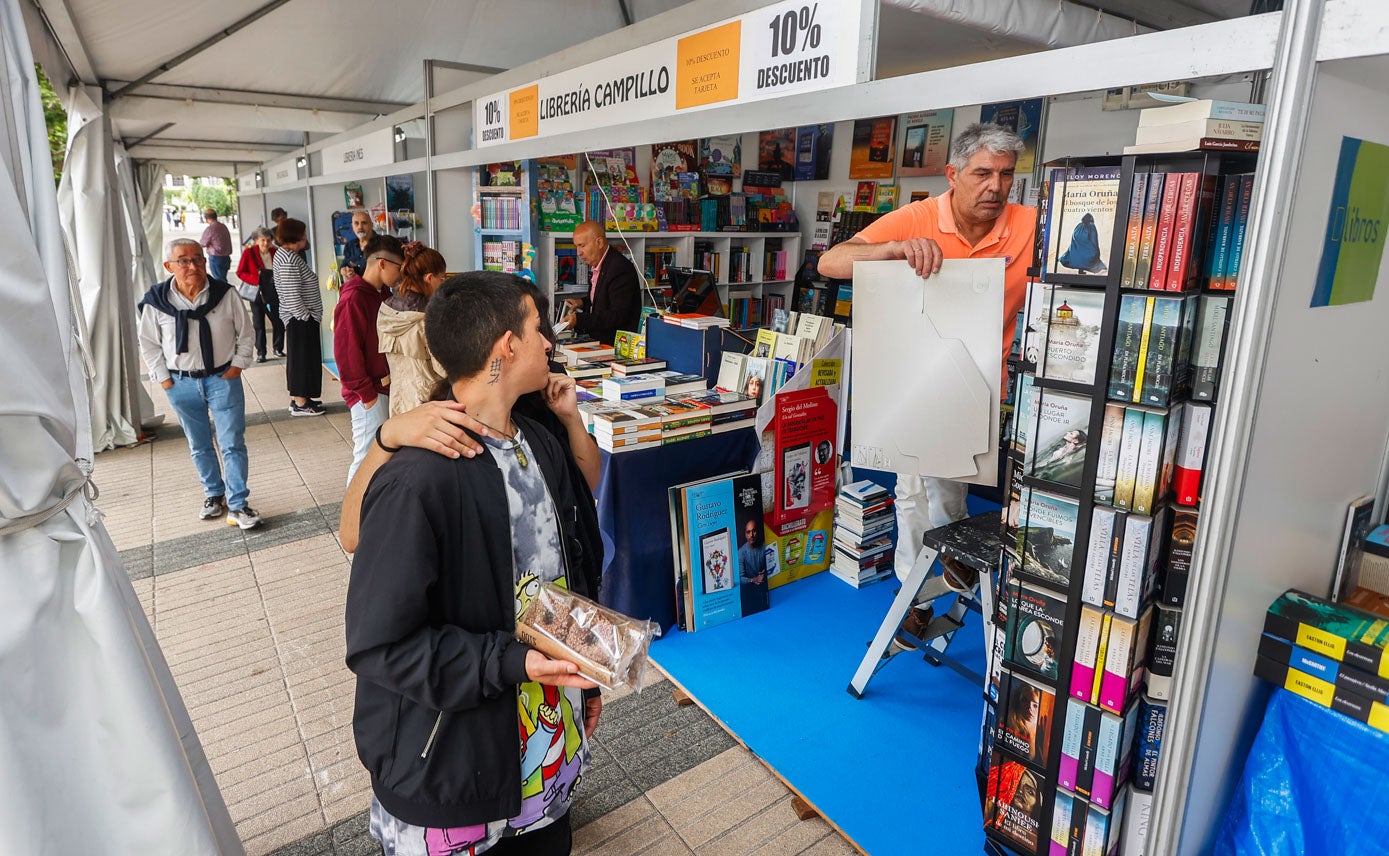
707	66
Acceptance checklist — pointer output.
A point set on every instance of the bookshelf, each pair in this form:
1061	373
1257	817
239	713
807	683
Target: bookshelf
749	266
503	216
1096	656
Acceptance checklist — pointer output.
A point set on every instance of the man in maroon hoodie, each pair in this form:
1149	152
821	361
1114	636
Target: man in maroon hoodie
361	366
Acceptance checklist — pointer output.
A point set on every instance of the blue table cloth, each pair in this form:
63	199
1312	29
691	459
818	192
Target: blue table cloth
634	515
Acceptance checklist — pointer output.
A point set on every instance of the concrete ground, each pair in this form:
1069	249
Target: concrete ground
252	626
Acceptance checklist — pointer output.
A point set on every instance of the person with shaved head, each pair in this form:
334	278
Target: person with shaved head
614	291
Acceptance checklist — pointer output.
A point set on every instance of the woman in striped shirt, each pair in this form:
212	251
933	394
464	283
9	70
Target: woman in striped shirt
301	307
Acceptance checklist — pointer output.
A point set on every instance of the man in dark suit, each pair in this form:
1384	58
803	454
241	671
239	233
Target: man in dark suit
614	294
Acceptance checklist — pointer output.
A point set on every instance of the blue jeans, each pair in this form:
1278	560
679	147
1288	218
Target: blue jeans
192	400
217	267
364	425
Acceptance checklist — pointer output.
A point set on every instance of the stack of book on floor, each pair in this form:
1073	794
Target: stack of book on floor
1330	653
626	430
863	520
1203	125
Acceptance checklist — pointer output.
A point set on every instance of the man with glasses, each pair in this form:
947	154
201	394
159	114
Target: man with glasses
362	367
195	338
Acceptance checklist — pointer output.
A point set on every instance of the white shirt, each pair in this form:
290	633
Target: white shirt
232	337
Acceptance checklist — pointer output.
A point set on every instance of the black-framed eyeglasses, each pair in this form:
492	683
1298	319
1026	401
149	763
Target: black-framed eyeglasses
391	261
196	262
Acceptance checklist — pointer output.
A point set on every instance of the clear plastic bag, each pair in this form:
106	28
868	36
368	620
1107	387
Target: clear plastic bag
609	648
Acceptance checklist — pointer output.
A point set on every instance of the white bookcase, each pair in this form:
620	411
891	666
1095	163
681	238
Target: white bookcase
756	281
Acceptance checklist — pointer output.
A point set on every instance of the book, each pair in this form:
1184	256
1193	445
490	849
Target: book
1026	712
1212	326
1133	235
680	384
1152	722
1130	583
1116	558
1076	750
1359	522
1229	277
1046	536
1194	144
1180	541
1123	661
1152	209
805	464
1085	669
765	343
1162	657
1014	800
1146	490
1102	536
1325	693
1082	212
720	515
1138	816
1069	326
1061	439
1130	445
1207	108
634	388
1233	129
1284	651
1128	335
1107	472
1034	629
635	366
1191	453
1193	202
731	368
580	371
1085	828
1024	417
635	420
1166	225
1155	383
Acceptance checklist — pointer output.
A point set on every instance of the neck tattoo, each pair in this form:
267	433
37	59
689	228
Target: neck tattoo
513	440
494	372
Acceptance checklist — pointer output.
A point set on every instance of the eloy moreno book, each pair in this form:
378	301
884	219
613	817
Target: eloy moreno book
721	563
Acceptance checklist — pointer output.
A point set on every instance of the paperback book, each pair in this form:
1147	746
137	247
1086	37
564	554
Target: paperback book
1180	542
1025	718
1343	633
1325	693
1014	800
1152	721
1212	327
1354	680
1061	438
1082	211
1046	536
1034	629
722	570
1107	471
1162	659
1068	324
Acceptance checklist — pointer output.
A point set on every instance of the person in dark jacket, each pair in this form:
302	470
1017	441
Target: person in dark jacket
614	291
450	551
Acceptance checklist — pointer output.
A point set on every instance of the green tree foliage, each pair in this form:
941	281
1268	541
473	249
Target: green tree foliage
219	197
56	117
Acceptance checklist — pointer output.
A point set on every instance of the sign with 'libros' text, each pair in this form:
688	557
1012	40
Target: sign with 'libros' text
1355	230
790	47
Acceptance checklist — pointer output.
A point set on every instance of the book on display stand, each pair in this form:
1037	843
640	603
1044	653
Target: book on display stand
1124	331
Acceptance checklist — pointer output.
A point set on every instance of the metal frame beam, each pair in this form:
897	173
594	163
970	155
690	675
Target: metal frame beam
206	43
238	145
250	98
161	129
56	16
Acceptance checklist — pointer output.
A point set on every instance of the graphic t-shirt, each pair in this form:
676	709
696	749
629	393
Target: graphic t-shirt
553	749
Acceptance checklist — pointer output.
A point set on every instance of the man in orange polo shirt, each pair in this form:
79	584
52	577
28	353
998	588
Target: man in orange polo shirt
972	220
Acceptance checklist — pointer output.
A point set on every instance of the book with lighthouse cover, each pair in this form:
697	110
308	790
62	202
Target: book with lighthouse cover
1068	322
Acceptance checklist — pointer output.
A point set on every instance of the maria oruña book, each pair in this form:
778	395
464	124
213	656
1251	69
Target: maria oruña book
1046	536
1014	800
1057	449
1082	211
1026	714
1334	630
1035	629
1068	322
1024	417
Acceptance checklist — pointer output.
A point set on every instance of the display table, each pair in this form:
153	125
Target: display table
1313	783
634	514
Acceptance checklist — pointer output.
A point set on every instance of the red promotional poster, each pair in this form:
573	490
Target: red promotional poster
806	462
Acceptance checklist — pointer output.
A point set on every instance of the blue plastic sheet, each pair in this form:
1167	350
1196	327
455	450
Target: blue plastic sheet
1314	783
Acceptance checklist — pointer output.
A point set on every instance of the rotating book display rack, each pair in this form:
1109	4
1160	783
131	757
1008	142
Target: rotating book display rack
1137	259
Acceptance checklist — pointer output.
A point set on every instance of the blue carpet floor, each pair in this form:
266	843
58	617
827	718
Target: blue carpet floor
894	770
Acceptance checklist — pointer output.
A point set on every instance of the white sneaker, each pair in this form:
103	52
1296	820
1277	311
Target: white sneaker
245	517
213	507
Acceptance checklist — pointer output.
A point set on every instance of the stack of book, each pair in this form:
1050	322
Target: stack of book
627	430
625	367
863	521
728	411
1330	653
1204	125
682	419
695	321
634	388
584	352
680	384
588	371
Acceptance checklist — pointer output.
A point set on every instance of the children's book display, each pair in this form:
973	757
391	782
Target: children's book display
1122	340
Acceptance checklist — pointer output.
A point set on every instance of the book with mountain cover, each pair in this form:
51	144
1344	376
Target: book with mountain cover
1046	536
1082	210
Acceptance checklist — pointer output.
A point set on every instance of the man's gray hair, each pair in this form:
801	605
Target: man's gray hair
179	242
980	136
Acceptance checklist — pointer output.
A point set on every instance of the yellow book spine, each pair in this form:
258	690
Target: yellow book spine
1143	349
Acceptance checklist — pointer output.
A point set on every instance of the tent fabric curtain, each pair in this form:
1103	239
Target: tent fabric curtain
99	752
149	188
89	199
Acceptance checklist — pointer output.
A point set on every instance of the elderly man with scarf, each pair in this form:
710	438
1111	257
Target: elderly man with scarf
196	338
